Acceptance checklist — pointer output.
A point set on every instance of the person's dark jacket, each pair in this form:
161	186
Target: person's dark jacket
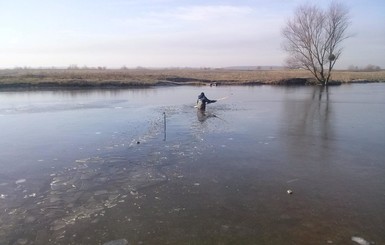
203	100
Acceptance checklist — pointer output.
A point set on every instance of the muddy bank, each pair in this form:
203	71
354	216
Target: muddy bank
175	81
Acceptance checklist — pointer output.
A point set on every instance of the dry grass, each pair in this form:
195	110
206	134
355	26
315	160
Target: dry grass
93	77
351	76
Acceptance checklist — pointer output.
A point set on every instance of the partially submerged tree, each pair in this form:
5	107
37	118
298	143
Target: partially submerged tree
313	38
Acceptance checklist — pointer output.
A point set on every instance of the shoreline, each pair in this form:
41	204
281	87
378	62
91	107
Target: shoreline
142	78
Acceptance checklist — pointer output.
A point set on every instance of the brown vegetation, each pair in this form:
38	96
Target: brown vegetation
150	77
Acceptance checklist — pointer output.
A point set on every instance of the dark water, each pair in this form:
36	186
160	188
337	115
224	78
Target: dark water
92	167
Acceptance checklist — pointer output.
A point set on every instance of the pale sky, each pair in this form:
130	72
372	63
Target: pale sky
169	33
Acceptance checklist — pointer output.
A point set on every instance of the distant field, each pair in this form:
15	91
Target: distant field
145	77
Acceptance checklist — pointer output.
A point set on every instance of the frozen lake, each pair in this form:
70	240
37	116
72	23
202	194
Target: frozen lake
142	166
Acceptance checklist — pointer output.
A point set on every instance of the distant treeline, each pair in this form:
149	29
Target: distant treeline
369	67
76	67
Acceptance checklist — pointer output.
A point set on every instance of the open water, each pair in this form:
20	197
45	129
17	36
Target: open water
263	165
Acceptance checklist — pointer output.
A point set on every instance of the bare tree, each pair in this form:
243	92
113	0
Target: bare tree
313	38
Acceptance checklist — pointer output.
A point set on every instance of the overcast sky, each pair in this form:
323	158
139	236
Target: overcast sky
169	33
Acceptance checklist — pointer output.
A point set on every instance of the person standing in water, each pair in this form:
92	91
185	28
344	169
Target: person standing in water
202	101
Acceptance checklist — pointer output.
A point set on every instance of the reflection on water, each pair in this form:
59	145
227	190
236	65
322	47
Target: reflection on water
309	122
144	167
203	115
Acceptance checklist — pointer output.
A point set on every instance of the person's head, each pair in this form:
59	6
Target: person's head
202	94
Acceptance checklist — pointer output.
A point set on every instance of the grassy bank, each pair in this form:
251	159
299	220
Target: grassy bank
149	77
